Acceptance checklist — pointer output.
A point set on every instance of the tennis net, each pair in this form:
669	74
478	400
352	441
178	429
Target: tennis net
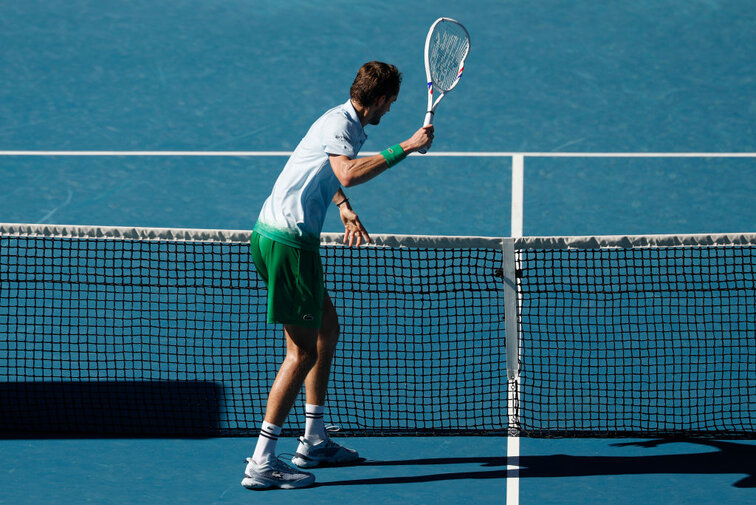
147	332
636	336
114	331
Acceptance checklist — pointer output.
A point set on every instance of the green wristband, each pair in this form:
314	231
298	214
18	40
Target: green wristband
394	155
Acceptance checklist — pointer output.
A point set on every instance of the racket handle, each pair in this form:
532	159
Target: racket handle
428	120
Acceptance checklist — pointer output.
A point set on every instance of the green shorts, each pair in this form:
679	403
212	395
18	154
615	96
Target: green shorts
294	278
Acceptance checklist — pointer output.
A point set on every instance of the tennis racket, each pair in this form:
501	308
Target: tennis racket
446	49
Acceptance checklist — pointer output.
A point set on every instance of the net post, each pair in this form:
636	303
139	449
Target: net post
518	180
511	323
511	299
512	331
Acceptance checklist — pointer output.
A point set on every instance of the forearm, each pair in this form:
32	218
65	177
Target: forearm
360	170
351	172
364	169
340	198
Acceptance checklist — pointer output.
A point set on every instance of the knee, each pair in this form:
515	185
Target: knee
303	358
330	329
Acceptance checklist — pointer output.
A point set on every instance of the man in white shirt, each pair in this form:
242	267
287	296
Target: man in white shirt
285	250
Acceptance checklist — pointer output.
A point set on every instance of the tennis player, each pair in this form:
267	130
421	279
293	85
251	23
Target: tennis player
285	250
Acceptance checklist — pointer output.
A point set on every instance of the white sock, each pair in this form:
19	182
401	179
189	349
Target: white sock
265	449
314	424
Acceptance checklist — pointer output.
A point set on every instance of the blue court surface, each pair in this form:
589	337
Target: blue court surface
398	470
244	75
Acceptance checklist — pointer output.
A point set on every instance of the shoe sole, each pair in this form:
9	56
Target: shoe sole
251	483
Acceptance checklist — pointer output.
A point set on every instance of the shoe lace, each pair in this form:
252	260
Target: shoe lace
330	428
333	428
280	464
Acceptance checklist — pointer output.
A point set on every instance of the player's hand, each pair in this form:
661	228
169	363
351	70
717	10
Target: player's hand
354	232
422	138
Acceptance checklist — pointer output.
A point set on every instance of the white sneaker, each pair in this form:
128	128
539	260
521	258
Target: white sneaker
274	473
324	452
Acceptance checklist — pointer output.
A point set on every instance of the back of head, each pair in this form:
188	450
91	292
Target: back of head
375	79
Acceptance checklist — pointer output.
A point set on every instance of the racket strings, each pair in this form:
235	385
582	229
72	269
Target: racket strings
449	45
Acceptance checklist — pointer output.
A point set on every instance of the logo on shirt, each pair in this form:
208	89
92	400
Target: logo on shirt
308	317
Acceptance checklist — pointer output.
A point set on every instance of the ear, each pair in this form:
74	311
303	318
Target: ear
381	101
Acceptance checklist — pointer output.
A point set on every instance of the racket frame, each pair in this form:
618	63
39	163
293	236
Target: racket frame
432	104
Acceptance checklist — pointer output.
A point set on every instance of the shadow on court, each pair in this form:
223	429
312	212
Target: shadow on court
102	409
730	458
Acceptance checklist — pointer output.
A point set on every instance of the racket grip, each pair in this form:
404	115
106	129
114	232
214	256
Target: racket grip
428	120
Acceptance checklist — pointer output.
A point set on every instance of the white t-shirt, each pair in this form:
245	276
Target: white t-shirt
295	210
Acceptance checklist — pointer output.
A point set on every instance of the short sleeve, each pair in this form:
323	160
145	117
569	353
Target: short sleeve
336	137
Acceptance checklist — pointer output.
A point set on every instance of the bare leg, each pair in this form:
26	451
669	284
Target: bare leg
301	356
263	468
316	383
316	447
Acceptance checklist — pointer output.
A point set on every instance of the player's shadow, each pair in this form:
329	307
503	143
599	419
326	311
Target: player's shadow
729	458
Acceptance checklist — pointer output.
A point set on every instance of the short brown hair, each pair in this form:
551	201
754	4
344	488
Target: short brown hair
375	79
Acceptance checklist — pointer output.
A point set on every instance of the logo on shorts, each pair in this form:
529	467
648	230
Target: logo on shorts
308	317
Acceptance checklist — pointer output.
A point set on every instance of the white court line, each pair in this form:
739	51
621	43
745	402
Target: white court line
513	470
147	153
513	440
461	154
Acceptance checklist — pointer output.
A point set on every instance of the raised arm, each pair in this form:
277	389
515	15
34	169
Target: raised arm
351	172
